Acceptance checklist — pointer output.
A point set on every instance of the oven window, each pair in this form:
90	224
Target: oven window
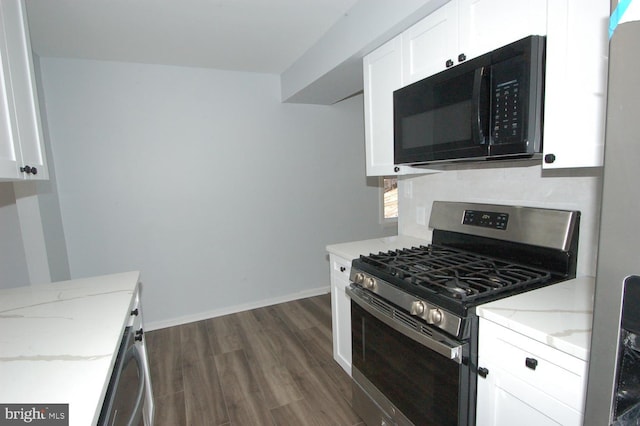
419	382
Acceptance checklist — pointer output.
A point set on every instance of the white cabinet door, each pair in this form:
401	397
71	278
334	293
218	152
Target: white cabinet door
382	75
526	382
341	311
21	147
504	400
576	83
488	24
9	152
430	44
464	29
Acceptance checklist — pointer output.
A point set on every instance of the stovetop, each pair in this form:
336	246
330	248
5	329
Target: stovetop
449	277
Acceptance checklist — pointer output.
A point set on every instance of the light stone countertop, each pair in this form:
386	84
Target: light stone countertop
558	315
59	341
354	249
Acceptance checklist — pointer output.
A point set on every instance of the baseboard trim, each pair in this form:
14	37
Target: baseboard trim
156	325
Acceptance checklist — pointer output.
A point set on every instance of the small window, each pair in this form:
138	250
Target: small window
390	198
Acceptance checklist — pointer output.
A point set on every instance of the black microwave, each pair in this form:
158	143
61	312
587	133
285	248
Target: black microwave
490	107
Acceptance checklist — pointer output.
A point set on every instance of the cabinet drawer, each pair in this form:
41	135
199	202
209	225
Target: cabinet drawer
553	372
518	403
340	268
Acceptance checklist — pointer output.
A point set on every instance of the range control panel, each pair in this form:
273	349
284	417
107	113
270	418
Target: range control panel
492	220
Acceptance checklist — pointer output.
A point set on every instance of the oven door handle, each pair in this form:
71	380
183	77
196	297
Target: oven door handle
452	352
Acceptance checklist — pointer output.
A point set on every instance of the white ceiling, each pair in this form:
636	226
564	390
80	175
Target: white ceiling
264	36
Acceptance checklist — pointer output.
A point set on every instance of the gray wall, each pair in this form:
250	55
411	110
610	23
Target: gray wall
13	265
48	202
220	194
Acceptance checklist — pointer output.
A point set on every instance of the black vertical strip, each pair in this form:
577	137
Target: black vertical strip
364	343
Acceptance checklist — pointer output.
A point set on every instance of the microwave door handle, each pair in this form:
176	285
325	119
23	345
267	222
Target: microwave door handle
477	126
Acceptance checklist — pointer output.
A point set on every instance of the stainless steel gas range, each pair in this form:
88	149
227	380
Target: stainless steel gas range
414	330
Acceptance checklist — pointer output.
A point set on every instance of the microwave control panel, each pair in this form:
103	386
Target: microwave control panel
507	106
506	112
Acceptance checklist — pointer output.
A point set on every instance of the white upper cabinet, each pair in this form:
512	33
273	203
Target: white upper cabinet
488	24
382	75
576	83
464	29
22	153
430	44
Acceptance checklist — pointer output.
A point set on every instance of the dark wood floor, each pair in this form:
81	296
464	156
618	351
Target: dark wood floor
267	366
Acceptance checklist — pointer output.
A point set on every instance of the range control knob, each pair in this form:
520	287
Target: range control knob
369	283
358	278
417	308
434	316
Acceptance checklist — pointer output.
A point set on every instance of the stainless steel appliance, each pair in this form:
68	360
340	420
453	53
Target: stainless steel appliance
626	404
609	398
489	107
414	332
129	398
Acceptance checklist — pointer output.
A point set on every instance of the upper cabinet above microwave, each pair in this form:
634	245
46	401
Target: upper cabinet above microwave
576	36
22	155
463	29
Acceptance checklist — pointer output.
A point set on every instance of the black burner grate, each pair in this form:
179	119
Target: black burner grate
454	273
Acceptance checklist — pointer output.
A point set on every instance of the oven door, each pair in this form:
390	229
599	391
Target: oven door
403	376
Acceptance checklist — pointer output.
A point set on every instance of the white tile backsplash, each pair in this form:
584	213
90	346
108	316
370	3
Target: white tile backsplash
516	183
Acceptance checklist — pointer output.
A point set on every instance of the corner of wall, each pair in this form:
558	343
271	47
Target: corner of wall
48	201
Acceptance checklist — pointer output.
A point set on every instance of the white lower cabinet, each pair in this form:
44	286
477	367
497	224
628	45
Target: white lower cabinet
341	311
522	381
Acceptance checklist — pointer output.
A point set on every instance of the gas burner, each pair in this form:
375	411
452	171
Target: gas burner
451	272
457	290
